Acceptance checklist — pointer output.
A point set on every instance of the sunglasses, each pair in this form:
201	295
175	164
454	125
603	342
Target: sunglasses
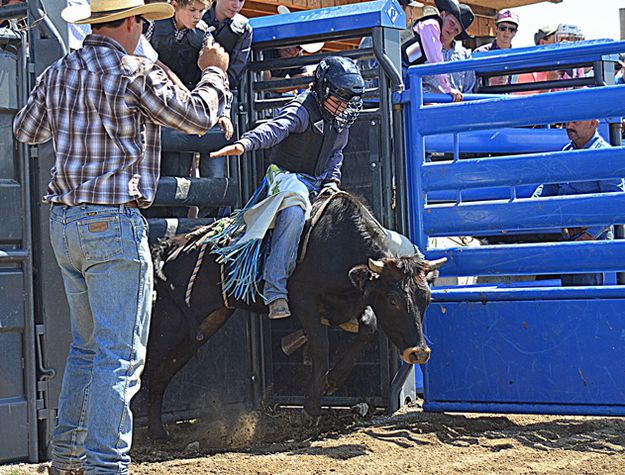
140	19
511	29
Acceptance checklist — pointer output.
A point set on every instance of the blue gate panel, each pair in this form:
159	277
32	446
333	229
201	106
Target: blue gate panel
471	219
578	165
523	356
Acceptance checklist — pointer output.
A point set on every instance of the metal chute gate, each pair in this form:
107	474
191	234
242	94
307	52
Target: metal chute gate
536	346
34	326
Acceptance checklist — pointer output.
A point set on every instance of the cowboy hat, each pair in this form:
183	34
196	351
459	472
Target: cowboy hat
462	12
102	11
309	47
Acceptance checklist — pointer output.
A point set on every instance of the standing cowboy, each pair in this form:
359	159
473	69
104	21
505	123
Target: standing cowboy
307	139
103	108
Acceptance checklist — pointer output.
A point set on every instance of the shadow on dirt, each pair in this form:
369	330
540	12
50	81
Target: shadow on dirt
601	435
286	431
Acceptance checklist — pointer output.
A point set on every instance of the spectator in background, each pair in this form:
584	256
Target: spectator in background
618	69
179	40
436	39
583	135
544	36
233	32
507	25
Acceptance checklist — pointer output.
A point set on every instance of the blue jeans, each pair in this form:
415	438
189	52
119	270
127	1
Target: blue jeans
285	237
106	266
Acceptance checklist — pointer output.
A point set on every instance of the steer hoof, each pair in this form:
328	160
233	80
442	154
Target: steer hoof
310	421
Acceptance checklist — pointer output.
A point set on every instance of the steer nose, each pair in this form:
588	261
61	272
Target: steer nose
416	355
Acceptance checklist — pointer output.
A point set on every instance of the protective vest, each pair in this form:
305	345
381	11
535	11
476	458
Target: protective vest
307	152
180	56
412	52
228	37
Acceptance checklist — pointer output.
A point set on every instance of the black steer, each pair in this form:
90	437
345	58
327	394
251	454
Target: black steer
347	268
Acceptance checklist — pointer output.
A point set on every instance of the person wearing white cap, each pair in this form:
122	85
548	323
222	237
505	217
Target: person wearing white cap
507	26
103	109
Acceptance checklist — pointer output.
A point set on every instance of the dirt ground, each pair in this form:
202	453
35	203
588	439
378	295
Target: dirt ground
411	441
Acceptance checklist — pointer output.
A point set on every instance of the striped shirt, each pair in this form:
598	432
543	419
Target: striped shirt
103	110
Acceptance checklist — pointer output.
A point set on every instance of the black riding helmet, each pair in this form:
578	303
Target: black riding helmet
340	78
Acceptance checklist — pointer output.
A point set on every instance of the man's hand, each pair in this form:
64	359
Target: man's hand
225	124
228	150
456	95
213	55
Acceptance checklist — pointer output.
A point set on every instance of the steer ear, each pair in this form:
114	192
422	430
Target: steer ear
360	275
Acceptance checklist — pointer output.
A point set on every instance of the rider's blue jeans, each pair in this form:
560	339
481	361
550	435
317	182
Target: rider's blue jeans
106	265
282	257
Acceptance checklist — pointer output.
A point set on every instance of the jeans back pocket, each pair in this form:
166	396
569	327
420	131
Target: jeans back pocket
100	237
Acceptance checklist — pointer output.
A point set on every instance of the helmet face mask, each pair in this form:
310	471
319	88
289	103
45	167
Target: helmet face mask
338	88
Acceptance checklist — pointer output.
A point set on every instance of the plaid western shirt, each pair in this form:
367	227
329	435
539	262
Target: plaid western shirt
103	110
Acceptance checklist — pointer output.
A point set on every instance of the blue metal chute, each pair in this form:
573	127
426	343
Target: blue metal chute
532	259
515	170
538	346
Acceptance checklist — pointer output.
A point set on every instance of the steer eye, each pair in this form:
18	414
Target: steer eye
393	300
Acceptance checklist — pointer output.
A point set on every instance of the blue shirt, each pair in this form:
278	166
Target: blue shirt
584	187
294	119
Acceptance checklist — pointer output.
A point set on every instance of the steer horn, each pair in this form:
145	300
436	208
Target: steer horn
436	264
376	266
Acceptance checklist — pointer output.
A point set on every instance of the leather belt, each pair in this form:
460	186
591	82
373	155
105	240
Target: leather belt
129	204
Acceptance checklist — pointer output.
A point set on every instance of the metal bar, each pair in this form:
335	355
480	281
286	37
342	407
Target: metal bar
281	83
541	85
472	219
8	12
196	191
551	167
263	65
558	55
492	294
582	104
415	160
30	334
530	259
387	65
524	408
508	140
396	386
13	257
